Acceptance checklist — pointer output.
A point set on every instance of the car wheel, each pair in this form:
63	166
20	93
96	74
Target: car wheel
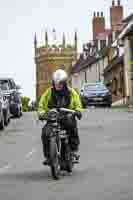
18	114
84	104
108	105
21	114
2	123
6	119
9	117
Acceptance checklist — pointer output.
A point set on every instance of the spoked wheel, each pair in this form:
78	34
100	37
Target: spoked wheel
69	163
69	166
54	159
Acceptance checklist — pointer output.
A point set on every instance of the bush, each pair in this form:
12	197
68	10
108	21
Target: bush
25	103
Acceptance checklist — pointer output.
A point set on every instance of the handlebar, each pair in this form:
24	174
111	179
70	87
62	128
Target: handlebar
58	110
63	110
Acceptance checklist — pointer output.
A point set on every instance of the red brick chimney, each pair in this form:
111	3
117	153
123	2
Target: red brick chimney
116	15
98	24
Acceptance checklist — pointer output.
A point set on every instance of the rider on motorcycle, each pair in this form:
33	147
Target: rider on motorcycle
62	96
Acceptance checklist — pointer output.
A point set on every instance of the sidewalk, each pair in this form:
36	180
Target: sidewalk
120	104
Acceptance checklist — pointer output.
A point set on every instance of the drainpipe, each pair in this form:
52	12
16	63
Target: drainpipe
99	75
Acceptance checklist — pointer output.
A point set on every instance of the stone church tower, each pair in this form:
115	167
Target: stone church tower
48	58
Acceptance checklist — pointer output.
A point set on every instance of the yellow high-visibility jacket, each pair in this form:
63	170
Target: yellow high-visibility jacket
75	103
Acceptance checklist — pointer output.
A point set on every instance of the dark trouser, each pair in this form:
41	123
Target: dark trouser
73	139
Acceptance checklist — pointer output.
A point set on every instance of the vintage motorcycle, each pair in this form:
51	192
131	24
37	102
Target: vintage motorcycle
60	155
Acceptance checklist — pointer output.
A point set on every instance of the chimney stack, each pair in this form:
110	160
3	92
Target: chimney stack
113	3
119	2
116	15
98	24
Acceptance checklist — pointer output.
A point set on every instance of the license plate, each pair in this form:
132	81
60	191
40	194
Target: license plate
98	99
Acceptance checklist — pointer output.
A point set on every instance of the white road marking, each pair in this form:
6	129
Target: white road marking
28	155
5	168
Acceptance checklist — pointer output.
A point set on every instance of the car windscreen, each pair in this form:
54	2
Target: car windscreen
4	85
94	87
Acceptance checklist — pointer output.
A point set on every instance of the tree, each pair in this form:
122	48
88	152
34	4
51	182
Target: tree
25	103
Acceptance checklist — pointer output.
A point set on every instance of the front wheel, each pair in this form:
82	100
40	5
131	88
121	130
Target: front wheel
54	158
69	163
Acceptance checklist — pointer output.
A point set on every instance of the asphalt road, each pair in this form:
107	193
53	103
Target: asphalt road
105	171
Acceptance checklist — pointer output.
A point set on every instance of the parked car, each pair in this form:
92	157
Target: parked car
1	116
95	94
4	110
11	91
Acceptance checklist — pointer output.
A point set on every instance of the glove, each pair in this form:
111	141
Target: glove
42	116
78	114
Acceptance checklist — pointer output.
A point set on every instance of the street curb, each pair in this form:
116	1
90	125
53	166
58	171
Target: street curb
112	109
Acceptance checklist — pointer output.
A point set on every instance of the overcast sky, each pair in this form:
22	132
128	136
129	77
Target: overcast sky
19	20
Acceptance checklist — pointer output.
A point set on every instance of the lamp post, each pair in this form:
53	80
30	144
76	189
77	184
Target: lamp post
98	64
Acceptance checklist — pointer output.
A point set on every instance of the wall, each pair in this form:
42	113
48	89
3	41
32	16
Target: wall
127	69
114	79
47	60
127	65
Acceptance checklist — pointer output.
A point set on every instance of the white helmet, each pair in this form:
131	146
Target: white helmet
60	76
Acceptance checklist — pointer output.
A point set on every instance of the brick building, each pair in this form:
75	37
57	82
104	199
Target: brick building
98	24
50	57
116	16
101	61
101	35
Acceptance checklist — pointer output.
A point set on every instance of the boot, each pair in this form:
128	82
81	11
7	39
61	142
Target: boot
76	155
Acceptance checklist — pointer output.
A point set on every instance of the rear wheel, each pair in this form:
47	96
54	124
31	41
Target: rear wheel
69	166
54	158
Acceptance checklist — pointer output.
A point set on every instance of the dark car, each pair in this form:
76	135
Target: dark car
11	91
4	110
95	94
